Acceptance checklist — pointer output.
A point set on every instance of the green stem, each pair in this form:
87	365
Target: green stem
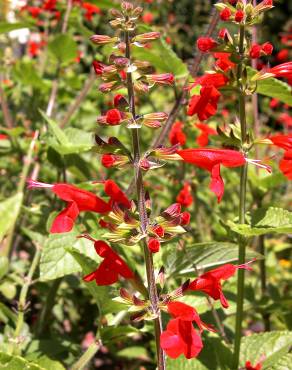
22	303
152	291
242	206
87	356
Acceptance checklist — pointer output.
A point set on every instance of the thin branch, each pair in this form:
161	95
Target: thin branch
79	99
5	109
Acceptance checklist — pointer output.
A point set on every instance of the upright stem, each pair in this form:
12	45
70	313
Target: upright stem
242	205
22	303
152	291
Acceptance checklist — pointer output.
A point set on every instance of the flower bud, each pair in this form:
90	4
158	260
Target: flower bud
255	51
112	160
206	44
103	39
137	11
120	101
163	79
267	48
145	37
153	245
185	218
225	14
98	67
113	117
239	15
116	13
126	6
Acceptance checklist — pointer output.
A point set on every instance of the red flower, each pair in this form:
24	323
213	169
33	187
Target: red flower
111	267
206	44
185	218
210	160
116	194
282	70
163	78
285	119
148	18
182	311
286	164
153	245
176	134
113	117
90	10
274	103
49	4
267	48
255	51
78	200
205	104
179	338
225	14
203	139
282	141
224	63
282	55
184	197
239	15
3	137
248	366
98	67
212	79
210	282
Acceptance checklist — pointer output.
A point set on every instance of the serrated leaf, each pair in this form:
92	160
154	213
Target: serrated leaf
265	221
270	346
285	363
56	261
161	56
64	48
273	88
203	255
10	209
17	363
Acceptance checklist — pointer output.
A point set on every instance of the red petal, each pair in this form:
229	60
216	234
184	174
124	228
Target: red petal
64	222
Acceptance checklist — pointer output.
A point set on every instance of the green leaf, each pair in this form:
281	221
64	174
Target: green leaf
45	362
285	363
161	56
273	88
70	140
133	352
56	261
4	266
202	256
64	48
271	346
17	363
265	221
105	4
7	27
10	209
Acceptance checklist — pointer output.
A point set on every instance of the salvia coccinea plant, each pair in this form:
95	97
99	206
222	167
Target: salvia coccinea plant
129	221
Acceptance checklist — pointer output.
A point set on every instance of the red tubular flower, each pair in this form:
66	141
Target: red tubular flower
176	134
249	366
239	15
210	160
113	117
116	194
282	141
210	282
285	119
182	311
224	63
185	218
282	55
163	78
225	14
206	44
282	70
203	139
179	338
78	200
286	164
212	79
184	197
205	104
111	267
49	4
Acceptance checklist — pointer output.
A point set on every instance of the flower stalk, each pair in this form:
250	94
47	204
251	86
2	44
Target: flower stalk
152	291
242	204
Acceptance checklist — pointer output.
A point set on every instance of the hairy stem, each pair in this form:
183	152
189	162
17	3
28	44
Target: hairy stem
87	355
152	291
242	206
